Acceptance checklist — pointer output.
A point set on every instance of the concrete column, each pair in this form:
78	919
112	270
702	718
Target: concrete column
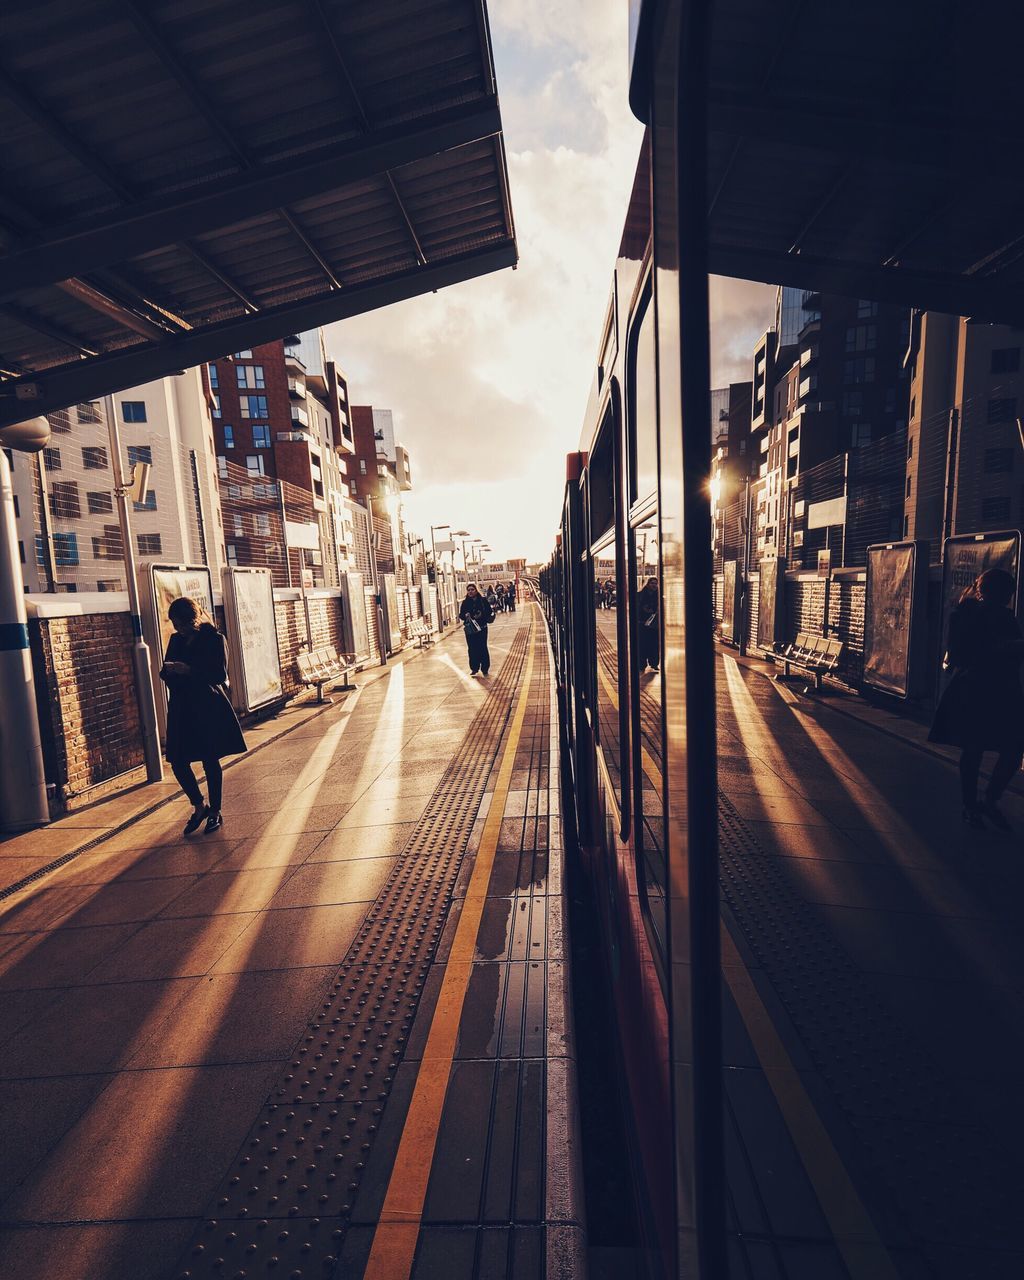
22	779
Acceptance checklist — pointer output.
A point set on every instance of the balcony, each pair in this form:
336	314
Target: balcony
300	417
809	384
297	388
292	363
807	355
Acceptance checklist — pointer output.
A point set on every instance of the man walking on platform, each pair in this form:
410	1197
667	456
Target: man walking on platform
476	613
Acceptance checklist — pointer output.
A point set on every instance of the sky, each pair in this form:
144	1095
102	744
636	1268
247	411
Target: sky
489	379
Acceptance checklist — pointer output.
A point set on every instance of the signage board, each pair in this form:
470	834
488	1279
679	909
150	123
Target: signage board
169	582
252	633
820	515
392	618
731	586
895	603
353	621
966	556
770	602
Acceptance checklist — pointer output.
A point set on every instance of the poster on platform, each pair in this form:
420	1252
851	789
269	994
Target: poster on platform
170	582
730	601
891	604
252	633
770	602
967	555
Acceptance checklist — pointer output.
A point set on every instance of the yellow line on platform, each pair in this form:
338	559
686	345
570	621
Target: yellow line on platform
394	1240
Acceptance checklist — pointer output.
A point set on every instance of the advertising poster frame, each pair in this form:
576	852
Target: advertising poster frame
731	611
964	557
771	602
169	582
248	617
354	621
895	618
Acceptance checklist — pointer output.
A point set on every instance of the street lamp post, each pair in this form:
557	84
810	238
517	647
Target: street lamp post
437	574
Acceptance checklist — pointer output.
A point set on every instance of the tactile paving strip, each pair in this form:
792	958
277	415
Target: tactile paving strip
892	1095
283	1208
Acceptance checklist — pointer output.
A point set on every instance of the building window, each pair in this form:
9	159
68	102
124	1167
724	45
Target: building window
222	467
65	548
89	411
17	507
261	436
253	406
249	376
906	526
866	309
908	486
149	544
149	504
133	410
140	453
261	521
64	502
229	437
995	510
254	464
94	457
109	547
234	491
910	446
1006	360
21	551
998	460
1003	409
859	369
108	584
862	337
99	503
51	457
860	433
214	376
216	410
362	466
232	554
243	355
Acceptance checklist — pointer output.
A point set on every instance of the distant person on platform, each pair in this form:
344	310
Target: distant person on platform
649	632
201	723
982	709
492	599
510	597
476	613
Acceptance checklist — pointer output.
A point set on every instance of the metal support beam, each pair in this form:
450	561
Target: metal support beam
152	224
71	384
982	298
310	248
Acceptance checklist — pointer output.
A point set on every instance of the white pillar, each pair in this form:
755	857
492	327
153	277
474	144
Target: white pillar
22	779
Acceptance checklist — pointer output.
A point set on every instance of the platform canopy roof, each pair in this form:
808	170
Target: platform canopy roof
873	149
182	179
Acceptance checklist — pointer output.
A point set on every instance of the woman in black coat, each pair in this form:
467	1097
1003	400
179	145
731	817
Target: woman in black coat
983	707
648	630
201	723
476	613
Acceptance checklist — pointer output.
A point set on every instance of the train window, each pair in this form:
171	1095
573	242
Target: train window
642	378
647	728
601	481
606	635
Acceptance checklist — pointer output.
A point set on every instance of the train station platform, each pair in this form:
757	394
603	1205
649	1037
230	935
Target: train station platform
332	1039
873	1000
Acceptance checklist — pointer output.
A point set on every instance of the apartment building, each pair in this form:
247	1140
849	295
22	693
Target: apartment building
66	514
284	436
964	459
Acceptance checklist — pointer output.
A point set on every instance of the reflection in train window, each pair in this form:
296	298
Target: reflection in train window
601	481
643	406
650	812
606	634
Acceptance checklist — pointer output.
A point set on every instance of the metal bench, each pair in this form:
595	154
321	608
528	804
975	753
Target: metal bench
420	633
319	667
817	656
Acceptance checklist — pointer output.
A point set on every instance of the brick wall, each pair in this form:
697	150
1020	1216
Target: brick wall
88	711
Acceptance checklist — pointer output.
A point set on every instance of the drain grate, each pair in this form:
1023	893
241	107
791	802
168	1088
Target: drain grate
282	1209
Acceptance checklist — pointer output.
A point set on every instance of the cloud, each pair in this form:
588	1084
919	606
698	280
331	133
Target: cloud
489	379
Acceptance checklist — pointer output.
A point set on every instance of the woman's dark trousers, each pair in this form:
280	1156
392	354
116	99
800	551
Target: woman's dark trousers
182	770
1007	764
479	657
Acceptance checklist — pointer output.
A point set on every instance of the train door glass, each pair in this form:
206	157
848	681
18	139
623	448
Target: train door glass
606	636
643	415
647	730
